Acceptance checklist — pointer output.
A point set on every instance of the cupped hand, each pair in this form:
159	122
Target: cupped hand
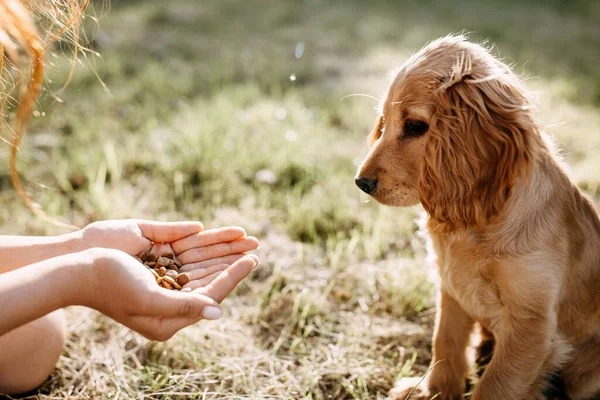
134	236
205	252
124	290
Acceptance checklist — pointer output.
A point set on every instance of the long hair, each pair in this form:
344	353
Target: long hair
27	29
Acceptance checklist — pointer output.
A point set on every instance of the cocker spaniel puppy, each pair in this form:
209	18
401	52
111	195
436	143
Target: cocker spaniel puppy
516	243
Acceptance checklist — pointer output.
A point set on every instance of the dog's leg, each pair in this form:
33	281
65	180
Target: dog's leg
484	350
582	375
522	356
548	383
449	365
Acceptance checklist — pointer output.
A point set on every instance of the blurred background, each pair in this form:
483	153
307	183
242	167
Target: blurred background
239	112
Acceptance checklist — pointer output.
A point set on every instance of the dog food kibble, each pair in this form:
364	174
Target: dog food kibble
172	274
171	282
163	262
144	256
183	278
165	270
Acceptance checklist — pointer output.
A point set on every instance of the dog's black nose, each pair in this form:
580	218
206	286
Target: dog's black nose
367	185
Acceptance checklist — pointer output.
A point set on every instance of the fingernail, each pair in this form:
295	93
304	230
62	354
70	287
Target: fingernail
255	259
210	312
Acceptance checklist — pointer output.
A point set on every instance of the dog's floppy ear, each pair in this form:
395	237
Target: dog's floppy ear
481	141
376	132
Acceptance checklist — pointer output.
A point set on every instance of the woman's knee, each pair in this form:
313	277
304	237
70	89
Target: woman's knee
29	353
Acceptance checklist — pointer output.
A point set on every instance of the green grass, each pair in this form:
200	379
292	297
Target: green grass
200	108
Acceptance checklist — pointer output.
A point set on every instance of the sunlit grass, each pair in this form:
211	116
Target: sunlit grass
203	122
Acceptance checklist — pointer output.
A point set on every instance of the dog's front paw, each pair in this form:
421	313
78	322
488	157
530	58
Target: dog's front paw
423	389
410	389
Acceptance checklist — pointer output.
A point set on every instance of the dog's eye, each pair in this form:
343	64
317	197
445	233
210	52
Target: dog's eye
415	127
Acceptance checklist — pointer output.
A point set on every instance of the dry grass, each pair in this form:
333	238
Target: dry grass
297	329
201	102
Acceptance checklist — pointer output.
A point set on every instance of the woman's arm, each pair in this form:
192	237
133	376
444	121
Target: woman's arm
18	251
196	247
33	291
115	284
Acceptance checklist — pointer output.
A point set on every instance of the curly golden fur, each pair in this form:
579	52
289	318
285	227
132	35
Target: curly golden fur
516	243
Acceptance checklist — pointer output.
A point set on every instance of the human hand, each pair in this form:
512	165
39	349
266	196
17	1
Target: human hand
123	289
205	252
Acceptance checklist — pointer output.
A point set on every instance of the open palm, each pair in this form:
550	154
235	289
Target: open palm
203	253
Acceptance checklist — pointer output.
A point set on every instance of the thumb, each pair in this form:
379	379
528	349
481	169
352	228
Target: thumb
168	231
170	303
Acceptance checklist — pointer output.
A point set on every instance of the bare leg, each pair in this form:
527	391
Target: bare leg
29	353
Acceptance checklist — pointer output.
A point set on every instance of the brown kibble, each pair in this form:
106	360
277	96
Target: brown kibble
166	285
172	282
169	255
162	271
183	278
159	280
144	256
178	263
174	267
152	257
150	264
163	261
186	289
156	276
172	274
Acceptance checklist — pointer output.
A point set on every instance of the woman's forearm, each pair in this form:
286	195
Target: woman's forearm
19	251
33	291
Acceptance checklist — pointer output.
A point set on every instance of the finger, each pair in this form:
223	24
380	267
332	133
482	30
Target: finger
169	231
172	303
201	273
218	250
227	260
229	279
208	237
161	248
200	283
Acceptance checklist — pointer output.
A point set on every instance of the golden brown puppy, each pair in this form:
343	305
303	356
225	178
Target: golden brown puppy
516	243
